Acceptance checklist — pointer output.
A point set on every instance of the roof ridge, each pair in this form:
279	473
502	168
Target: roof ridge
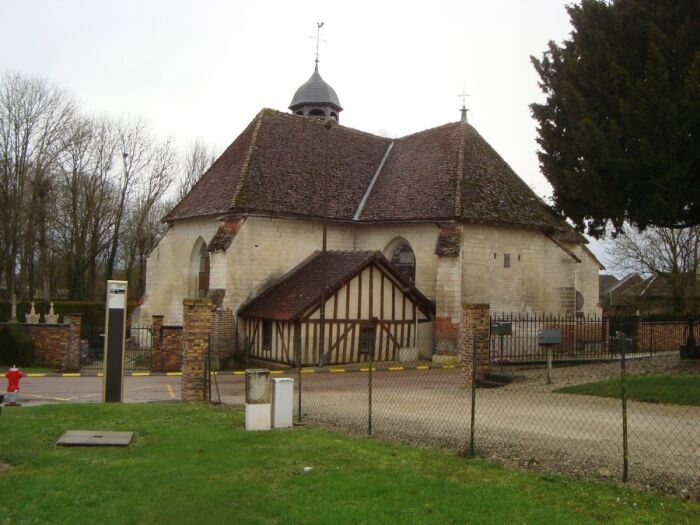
460	169
446	125
248	157
368	191
321	122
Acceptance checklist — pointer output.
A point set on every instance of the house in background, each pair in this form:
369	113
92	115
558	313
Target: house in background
635	295
453	222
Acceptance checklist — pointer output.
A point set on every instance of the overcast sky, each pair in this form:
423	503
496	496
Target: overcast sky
203	69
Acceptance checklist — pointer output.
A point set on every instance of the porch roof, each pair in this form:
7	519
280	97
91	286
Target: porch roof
298	292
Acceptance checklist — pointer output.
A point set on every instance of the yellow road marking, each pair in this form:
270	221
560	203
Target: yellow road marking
140	374
308	371
422	367
239	373
173	373
171	392
395	368
337	370
448	366
36	375
100	374
277	371
71	375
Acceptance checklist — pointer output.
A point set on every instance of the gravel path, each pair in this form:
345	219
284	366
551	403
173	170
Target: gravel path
523	424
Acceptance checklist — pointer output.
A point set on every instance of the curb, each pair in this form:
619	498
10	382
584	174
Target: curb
290	371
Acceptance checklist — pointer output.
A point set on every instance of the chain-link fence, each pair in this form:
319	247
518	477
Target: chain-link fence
632	417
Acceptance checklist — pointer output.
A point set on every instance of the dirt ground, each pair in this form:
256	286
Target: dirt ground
524	423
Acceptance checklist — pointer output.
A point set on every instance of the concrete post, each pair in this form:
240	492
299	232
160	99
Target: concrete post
475	323
195	346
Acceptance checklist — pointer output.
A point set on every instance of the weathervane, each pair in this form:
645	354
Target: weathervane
319	25
464	109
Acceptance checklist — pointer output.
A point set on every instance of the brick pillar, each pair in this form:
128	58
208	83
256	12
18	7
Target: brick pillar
157	356
71	359
475	323
195	348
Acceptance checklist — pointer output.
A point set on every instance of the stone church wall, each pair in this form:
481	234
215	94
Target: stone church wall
168	269
539	276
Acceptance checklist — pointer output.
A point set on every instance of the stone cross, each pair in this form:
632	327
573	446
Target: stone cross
32	316
51	318
13	319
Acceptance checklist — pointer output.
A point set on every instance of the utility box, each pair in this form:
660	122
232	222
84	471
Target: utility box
549	337
257	399
282	402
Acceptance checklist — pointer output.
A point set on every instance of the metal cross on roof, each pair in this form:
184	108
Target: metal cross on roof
464	109
318	38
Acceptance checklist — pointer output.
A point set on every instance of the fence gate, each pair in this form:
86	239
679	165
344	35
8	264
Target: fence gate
137	355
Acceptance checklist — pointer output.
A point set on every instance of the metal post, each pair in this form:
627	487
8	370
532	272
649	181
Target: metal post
473	400
299	391
623	395
369	405
549	365
322	312
207	378
500	337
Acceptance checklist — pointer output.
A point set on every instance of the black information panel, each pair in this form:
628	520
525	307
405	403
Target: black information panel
115	324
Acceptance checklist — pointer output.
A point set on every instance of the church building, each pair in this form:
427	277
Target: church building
416	226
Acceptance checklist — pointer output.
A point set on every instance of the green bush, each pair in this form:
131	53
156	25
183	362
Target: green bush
16	348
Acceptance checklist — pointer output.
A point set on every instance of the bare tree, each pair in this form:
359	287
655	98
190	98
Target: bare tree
34	119
135	144
198	159
149	190
671	253
84	204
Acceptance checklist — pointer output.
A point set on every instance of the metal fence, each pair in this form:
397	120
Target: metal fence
635	418
137	354
586	338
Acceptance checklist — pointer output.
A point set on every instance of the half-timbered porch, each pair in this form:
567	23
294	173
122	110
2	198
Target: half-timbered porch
369	305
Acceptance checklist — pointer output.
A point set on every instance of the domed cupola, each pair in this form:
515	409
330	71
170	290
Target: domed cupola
315	98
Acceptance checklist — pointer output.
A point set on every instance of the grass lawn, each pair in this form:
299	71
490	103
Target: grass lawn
678	390
195	464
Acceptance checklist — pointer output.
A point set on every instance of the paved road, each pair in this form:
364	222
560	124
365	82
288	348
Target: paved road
43	390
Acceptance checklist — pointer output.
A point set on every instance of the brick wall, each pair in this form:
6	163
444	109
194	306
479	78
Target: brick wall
57	345
223	335
166	346
50	343
660	336
195	348
475	323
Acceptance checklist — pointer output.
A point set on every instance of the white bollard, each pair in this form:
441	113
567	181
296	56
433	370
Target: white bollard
257	399
282	402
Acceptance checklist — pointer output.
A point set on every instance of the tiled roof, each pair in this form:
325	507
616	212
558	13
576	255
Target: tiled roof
300	288
277	166
224	235
449	242
213	193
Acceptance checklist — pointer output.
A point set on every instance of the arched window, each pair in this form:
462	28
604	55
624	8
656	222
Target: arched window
199	270
401	255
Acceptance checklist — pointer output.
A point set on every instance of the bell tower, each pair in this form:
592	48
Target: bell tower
316	98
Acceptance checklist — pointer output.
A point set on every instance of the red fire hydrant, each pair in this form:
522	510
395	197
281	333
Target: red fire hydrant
13	376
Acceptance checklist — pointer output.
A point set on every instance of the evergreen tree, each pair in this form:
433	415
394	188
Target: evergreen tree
618	133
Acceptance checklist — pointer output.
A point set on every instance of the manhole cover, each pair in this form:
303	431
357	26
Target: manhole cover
88	438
